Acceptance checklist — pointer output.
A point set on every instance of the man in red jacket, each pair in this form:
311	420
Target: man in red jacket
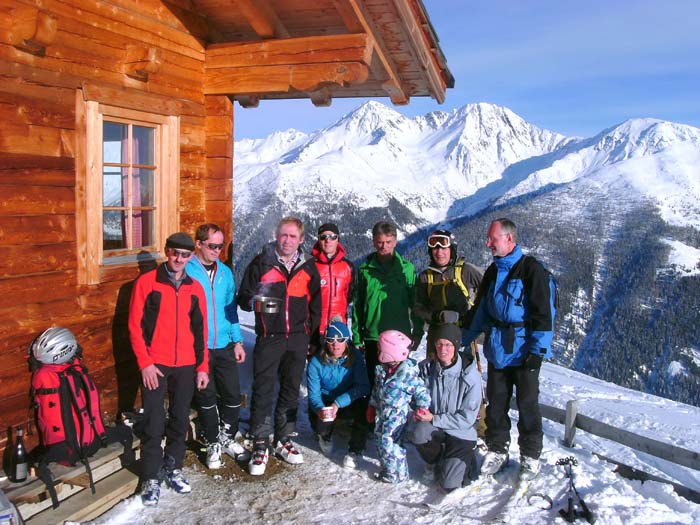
168	331
336	274
282	284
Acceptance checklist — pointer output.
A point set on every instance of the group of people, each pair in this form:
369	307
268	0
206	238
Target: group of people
185	333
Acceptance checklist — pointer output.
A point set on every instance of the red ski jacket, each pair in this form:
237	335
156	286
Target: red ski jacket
336	284
168	326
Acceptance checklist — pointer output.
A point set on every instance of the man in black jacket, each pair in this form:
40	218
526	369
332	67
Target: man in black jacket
283	285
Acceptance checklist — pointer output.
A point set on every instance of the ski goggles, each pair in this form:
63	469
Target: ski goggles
439	241
328	237
336	339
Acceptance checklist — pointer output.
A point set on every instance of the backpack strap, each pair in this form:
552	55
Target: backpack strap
459	282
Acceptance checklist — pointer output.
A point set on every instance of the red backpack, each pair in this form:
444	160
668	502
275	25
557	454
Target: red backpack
69	419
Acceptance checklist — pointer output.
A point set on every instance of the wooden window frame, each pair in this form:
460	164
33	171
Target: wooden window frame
93	266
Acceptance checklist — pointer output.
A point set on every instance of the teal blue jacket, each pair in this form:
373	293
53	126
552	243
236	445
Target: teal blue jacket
222	313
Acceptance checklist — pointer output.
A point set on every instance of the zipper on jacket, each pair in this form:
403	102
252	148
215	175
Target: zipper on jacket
177	320
332	292
213	304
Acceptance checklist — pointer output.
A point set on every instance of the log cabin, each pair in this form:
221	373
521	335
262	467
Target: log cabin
117	130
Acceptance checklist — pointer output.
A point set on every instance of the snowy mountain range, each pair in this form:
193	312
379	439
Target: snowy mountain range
615	216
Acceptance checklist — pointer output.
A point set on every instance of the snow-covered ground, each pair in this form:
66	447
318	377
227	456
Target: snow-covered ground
321	491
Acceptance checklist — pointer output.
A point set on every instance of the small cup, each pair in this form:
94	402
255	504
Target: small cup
327	414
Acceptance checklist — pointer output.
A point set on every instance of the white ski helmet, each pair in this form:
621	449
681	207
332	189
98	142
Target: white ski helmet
55	346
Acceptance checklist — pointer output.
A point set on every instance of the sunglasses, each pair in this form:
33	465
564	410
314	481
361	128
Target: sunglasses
181	253
336	339
328	236
439	241
212	246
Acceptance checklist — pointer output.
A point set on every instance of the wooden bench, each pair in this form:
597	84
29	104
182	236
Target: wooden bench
113	483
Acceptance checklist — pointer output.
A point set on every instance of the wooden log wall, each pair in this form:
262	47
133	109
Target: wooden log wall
149	46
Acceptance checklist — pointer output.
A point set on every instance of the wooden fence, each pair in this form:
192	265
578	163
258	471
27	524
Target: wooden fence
572	420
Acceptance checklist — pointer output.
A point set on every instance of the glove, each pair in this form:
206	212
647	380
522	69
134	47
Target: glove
371	414
533	362
449	317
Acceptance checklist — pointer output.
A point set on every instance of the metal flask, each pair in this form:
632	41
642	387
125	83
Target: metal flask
266	305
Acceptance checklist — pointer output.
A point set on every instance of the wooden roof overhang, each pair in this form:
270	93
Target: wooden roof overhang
320	49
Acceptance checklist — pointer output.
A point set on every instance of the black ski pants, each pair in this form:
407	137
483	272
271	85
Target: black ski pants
276	358
355	411
220	402
371	360
179	383
499	391
454	458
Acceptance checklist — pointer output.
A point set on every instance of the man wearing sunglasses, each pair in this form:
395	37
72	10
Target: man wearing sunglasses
336	274
219	404
168	332
447	288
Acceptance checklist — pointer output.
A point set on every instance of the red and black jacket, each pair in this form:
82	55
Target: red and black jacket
299	291
168	326
336	283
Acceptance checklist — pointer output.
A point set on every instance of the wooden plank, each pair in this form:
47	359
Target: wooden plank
36	200
36	140
139	100
421	47
35	229
34	486
282	78
393	86
305	50
125	21
632	473
24	260
85	505
666	451
25	110
262	18
570	423
24	289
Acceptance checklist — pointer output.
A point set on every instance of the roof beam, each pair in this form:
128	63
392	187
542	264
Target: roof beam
393	85
422	50
262	18
281	65
347	13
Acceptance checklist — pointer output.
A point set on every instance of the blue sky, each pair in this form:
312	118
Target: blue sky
576	67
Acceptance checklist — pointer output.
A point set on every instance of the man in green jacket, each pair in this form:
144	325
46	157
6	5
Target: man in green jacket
384	296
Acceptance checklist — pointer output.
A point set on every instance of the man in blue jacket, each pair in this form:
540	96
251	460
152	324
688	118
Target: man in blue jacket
513	309
219	404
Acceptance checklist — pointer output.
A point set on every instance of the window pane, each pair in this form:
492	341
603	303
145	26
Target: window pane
113	186
143	187
143	234
113	136
143	152
113	230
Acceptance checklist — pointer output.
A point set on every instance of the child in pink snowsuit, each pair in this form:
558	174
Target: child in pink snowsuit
396	385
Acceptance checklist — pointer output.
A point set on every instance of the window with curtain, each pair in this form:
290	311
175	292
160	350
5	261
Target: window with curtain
127	186
128	183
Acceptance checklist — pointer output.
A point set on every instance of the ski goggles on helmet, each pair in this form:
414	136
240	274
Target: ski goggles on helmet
439	241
